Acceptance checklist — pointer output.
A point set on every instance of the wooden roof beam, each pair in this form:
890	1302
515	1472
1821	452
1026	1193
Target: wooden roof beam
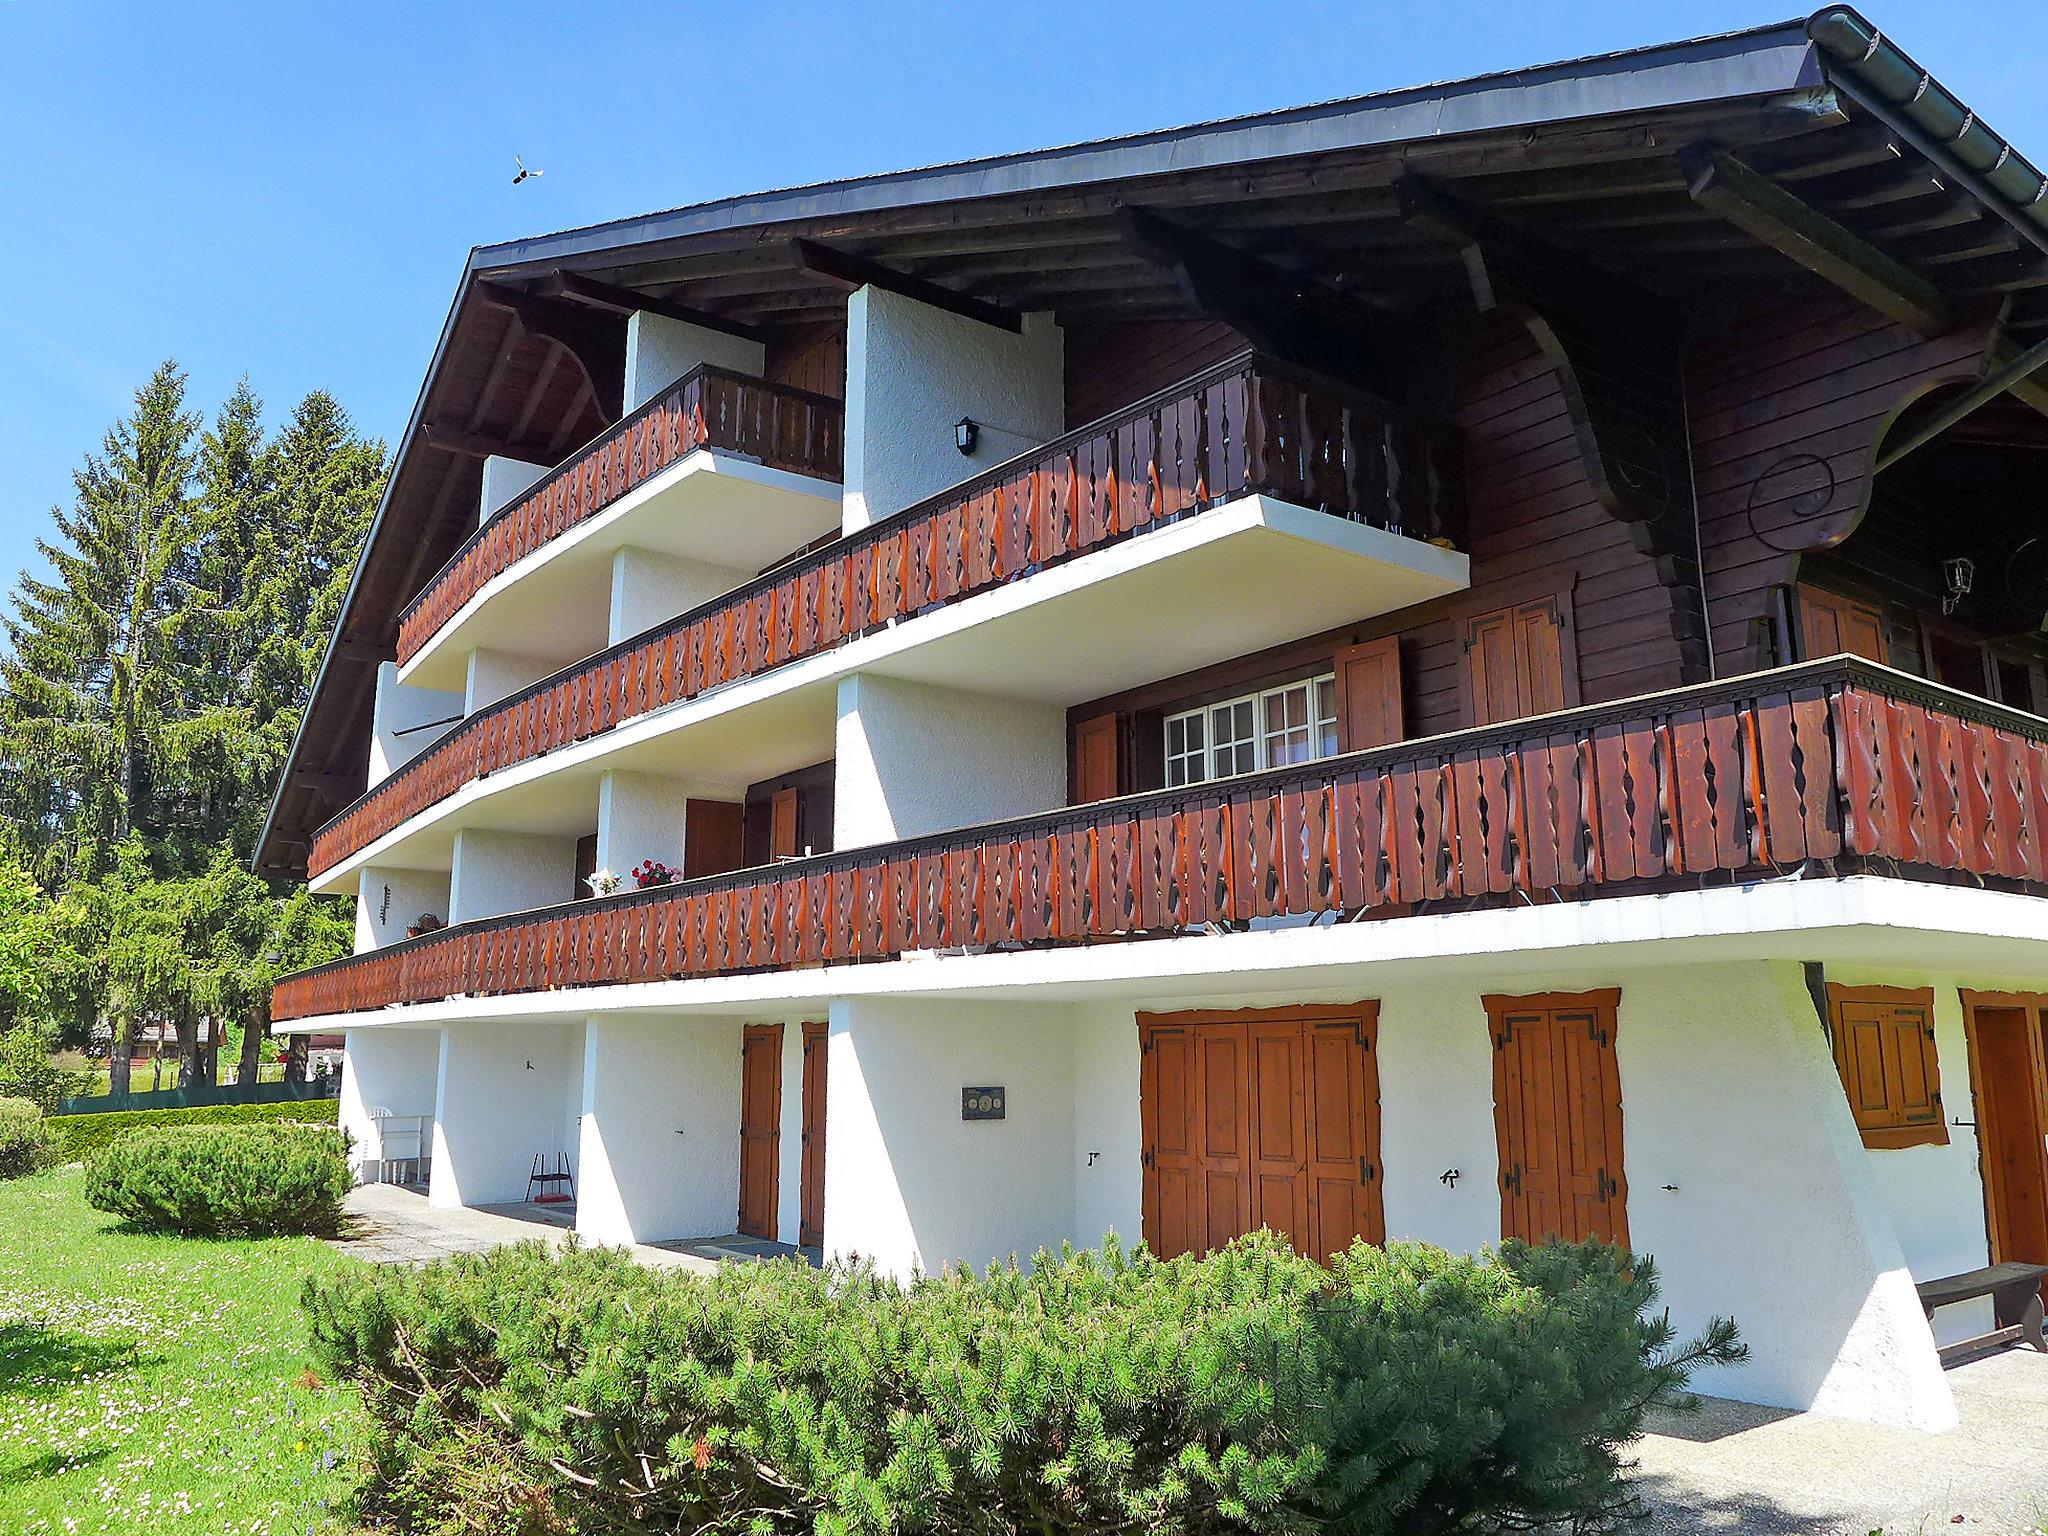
578	289
1763	209
458	439
597	345
845	270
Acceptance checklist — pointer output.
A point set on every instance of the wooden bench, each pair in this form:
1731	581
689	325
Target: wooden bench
2015	1292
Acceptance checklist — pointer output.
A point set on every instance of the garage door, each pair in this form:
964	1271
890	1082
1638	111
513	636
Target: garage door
1260	1118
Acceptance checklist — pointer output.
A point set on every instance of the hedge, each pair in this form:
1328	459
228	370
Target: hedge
1404	1390
224	1180
79	1136
26	1141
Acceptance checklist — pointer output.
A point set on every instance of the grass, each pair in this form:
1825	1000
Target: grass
159	1384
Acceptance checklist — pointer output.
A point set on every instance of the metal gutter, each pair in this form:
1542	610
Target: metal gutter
1875	72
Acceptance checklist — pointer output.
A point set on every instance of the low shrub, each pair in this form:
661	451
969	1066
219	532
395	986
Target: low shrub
223	1180
27	1072
1399	1390
26	1141
79	1136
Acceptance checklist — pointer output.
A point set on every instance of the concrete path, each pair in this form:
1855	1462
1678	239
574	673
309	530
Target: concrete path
1748	1471
389	1224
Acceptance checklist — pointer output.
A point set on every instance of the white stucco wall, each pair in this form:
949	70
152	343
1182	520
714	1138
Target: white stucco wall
507	1092
388	901
912	371
495	675
505	480
660	350
389	1069
790	1145
639	816
914	759
649	587
910	1183
661	1130
402	721
497	872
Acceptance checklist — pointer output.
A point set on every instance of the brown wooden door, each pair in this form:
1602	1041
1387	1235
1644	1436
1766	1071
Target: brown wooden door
1095	760
760	1128
712	837
1260	1118
1557	1116
1836	626
1369	710
2008	1036
782	825
1519	661
811	1199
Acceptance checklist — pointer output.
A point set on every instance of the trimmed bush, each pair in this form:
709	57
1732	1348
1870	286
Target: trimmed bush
80	1136
26	1141
223	1180
1399	1390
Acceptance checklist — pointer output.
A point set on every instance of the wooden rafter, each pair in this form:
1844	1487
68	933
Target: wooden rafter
597	342
846	270
577	289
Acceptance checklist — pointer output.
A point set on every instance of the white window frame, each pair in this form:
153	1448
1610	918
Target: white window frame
1322	730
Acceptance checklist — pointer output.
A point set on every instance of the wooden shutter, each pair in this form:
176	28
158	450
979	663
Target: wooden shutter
1169	1110
1095	759
1833	626
1885	1051
712	836
811	1197
586	866
1557	1117
1342	1094
1278	1146
1519	661
760	1128
1369	710
782	824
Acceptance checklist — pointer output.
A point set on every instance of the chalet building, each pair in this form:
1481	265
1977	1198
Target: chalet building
1459	664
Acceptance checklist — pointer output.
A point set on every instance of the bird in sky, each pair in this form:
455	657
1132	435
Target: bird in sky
523	171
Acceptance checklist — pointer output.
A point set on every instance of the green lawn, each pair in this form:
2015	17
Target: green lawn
158	1384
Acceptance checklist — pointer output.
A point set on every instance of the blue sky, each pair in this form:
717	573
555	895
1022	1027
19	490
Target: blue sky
289	190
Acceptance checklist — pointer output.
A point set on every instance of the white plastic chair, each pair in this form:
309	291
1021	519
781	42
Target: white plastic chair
399	1139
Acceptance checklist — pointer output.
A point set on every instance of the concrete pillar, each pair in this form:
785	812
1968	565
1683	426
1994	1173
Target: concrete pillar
386	1069
639	816
506	1092
661	1130
649	588
505	481
907	1180
404	721
914	758
497	872
495	675
912	371
388	901
660	350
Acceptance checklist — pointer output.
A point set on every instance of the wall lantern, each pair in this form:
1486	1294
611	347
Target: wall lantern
966	433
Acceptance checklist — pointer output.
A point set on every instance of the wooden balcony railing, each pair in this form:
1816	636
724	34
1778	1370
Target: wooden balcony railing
707	407
1836	761
1248	425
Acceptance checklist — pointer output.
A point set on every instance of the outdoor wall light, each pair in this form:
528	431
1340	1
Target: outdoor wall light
966	433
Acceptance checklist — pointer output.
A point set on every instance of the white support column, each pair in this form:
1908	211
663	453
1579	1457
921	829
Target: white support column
498	872
911	1183
495	675
404	721
389	900
640	816
505	481
914	758
660	350
661	1130
395	1070
649	587
506	1093
912	371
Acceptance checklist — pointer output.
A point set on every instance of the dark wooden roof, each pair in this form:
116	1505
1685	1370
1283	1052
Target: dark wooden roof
1584	155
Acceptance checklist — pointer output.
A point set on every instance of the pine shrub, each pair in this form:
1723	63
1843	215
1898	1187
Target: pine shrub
1398	1390
224	1180
26	1141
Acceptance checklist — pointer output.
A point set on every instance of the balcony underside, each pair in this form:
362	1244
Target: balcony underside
1244	576
711	507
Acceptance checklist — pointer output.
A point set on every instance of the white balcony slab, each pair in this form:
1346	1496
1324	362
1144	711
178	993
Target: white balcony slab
709	506
1237	579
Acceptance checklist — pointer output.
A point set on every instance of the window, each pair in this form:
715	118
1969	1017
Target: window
1296	723
1884	1049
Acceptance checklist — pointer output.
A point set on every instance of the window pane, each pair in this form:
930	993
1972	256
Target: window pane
1326	717
1186	762
1236	738
1287	737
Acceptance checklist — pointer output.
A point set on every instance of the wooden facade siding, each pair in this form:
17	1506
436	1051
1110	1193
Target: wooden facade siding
1838	761
708	407
810	358
1107	365
1250	426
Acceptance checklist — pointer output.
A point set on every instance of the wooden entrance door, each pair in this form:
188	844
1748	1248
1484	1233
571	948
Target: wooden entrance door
1557	1115
1260	1118
810	1230
760	1128
2008	1035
